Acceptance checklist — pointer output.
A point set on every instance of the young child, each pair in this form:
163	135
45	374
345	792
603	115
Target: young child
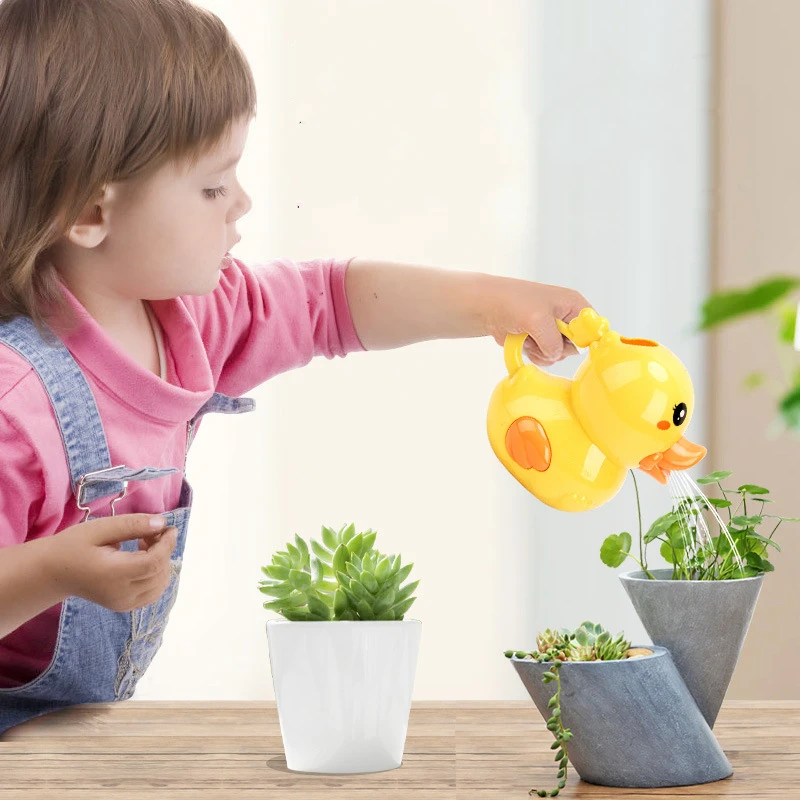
124	320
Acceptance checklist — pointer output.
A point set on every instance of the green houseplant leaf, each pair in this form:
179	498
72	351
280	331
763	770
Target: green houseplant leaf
787	323
615	549
714	477
769	298
789	406
724	306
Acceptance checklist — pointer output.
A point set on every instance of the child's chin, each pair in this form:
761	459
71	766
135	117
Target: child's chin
199	289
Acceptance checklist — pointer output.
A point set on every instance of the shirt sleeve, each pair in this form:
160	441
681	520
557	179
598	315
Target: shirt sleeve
267	319
21	485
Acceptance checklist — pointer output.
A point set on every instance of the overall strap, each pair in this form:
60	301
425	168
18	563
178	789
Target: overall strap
76	412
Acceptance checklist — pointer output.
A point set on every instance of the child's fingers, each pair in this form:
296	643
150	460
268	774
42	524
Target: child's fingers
170	534
125	527
545	341
157	561
569	348
574	304
549	339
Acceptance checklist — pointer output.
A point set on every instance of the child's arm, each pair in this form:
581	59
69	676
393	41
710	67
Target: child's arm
27	586
397	304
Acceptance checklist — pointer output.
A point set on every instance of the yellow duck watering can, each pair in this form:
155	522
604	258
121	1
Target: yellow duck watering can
571	443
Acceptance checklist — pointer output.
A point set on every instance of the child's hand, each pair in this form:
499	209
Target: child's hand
85	560
518	305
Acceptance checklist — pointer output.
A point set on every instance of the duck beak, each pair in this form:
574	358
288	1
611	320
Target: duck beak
682	455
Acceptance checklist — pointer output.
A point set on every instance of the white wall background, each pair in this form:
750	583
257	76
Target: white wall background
559	141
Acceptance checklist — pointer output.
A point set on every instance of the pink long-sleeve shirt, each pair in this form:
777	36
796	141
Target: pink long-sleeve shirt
257	323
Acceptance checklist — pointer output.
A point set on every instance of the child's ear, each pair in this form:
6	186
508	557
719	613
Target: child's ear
91	226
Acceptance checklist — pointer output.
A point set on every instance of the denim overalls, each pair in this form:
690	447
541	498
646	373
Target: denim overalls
100	654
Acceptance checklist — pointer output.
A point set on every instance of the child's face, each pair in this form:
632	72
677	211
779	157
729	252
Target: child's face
164	235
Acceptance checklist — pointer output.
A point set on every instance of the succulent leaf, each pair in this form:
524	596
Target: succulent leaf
385	599
329	538
318	608
279	573
406	591
369	581
401	608
340	558
382	570
301	546
320	552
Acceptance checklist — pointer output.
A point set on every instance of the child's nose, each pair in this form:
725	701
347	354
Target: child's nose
244	204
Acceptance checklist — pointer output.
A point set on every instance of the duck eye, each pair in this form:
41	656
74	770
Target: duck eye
679	414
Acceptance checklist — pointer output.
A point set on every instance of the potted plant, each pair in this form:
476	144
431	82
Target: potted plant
343	658
700	608
615	711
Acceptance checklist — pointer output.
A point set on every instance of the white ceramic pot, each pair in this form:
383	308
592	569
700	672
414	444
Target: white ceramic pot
343	690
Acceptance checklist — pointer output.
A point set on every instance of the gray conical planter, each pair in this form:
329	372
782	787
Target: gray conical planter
701	623
634	722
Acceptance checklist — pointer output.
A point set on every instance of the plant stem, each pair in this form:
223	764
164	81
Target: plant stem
725	563
642	561
644	568
725	497
775	528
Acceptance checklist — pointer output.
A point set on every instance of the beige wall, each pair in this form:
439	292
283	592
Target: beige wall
755	233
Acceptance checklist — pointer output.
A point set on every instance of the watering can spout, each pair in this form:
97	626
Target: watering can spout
682	455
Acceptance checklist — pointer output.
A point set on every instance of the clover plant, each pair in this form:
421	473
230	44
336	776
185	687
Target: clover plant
737	550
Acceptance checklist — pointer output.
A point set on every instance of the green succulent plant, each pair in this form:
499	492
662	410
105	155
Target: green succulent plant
581	652
590	641
344	578
608	649
548	639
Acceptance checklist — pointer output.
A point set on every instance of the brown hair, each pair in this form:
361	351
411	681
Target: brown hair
95	91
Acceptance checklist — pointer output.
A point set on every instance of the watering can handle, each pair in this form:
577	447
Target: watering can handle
586	328
512	349
564	328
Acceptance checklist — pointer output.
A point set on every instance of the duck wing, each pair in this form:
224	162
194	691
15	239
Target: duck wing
528	444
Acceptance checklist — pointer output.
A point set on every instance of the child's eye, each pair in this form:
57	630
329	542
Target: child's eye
213	194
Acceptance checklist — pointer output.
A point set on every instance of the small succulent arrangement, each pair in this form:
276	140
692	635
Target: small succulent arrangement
343	577
736	549
590	641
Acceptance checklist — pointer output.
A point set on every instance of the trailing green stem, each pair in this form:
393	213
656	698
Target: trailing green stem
556	725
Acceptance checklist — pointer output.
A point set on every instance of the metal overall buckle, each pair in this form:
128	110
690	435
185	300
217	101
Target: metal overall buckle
82	486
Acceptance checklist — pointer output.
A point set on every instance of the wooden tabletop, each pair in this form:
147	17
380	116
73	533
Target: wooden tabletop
454	750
